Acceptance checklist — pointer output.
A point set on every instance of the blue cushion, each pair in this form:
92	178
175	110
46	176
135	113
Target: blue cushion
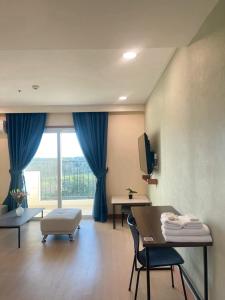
160	257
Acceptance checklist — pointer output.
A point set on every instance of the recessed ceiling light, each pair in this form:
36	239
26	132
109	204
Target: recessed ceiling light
129	55
123	98
35	86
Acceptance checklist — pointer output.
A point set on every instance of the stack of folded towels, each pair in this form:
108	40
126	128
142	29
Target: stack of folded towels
186	228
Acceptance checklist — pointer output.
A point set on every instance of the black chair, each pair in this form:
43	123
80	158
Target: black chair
158	258
125	210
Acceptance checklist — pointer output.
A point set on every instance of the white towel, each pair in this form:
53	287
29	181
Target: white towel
192	217
181	223
185	231
192	226
169	216
177	222
190	222
172	226
188	238
176	227
171	220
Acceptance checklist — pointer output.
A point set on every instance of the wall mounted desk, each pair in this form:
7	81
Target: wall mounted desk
149	225
124	200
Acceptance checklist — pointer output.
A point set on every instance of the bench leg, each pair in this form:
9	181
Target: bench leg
44	238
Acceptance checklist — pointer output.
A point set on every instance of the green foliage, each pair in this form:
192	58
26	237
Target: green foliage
131	191
78	181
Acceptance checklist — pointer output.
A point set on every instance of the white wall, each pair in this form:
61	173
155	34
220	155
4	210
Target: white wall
123	163
185	118
123	159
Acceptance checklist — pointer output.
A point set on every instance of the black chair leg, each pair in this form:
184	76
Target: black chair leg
132	272
182	280
137	283
122	218
135	263
171	270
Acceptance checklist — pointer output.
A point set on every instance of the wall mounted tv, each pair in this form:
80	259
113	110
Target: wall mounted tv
146	156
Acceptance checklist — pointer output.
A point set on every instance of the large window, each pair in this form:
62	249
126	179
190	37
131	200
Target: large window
58	175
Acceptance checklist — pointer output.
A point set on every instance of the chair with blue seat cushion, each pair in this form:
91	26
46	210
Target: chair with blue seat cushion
158	258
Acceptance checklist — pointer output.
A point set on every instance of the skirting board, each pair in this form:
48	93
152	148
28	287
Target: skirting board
191	285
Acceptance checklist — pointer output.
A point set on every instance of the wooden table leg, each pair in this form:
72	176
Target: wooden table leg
114	217
147	274
205	273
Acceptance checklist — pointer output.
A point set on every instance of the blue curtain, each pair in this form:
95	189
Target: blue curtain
24	136
91	130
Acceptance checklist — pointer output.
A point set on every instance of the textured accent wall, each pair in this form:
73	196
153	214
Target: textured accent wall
185	119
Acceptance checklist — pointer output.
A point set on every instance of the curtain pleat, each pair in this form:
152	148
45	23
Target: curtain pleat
24	136
92	130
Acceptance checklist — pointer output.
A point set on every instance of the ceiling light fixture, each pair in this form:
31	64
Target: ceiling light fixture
129	55
123	98
35	86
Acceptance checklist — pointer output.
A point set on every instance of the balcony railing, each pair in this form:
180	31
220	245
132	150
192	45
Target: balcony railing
78	181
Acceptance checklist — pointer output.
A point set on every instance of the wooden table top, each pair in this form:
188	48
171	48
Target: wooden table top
10	219
149	226
137	199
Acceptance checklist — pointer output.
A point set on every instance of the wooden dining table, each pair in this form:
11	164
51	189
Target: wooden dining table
149	227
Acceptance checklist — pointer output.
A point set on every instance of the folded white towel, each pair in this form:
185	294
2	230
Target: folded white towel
171	219
177	222
169	216
200	238
188	222
178	227
192	226
185	231
188	227
192	218
172	224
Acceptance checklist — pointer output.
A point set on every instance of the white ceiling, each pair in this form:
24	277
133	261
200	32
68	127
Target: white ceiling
73	48
83	77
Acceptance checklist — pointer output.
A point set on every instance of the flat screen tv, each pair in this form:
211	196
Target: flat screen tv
146	156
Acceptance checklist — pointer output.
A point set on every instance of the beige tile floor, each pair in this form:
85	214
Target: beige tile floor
95	266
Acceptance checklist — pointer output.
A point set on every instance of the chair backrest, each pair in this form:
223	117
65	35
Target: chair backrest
135	234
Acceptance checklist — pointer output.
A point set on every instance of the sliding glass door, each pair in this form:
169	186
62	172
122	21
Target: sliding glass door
58	175
78	181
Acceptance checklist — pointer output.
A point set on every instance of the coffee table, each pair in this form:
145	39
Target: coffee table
11	220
